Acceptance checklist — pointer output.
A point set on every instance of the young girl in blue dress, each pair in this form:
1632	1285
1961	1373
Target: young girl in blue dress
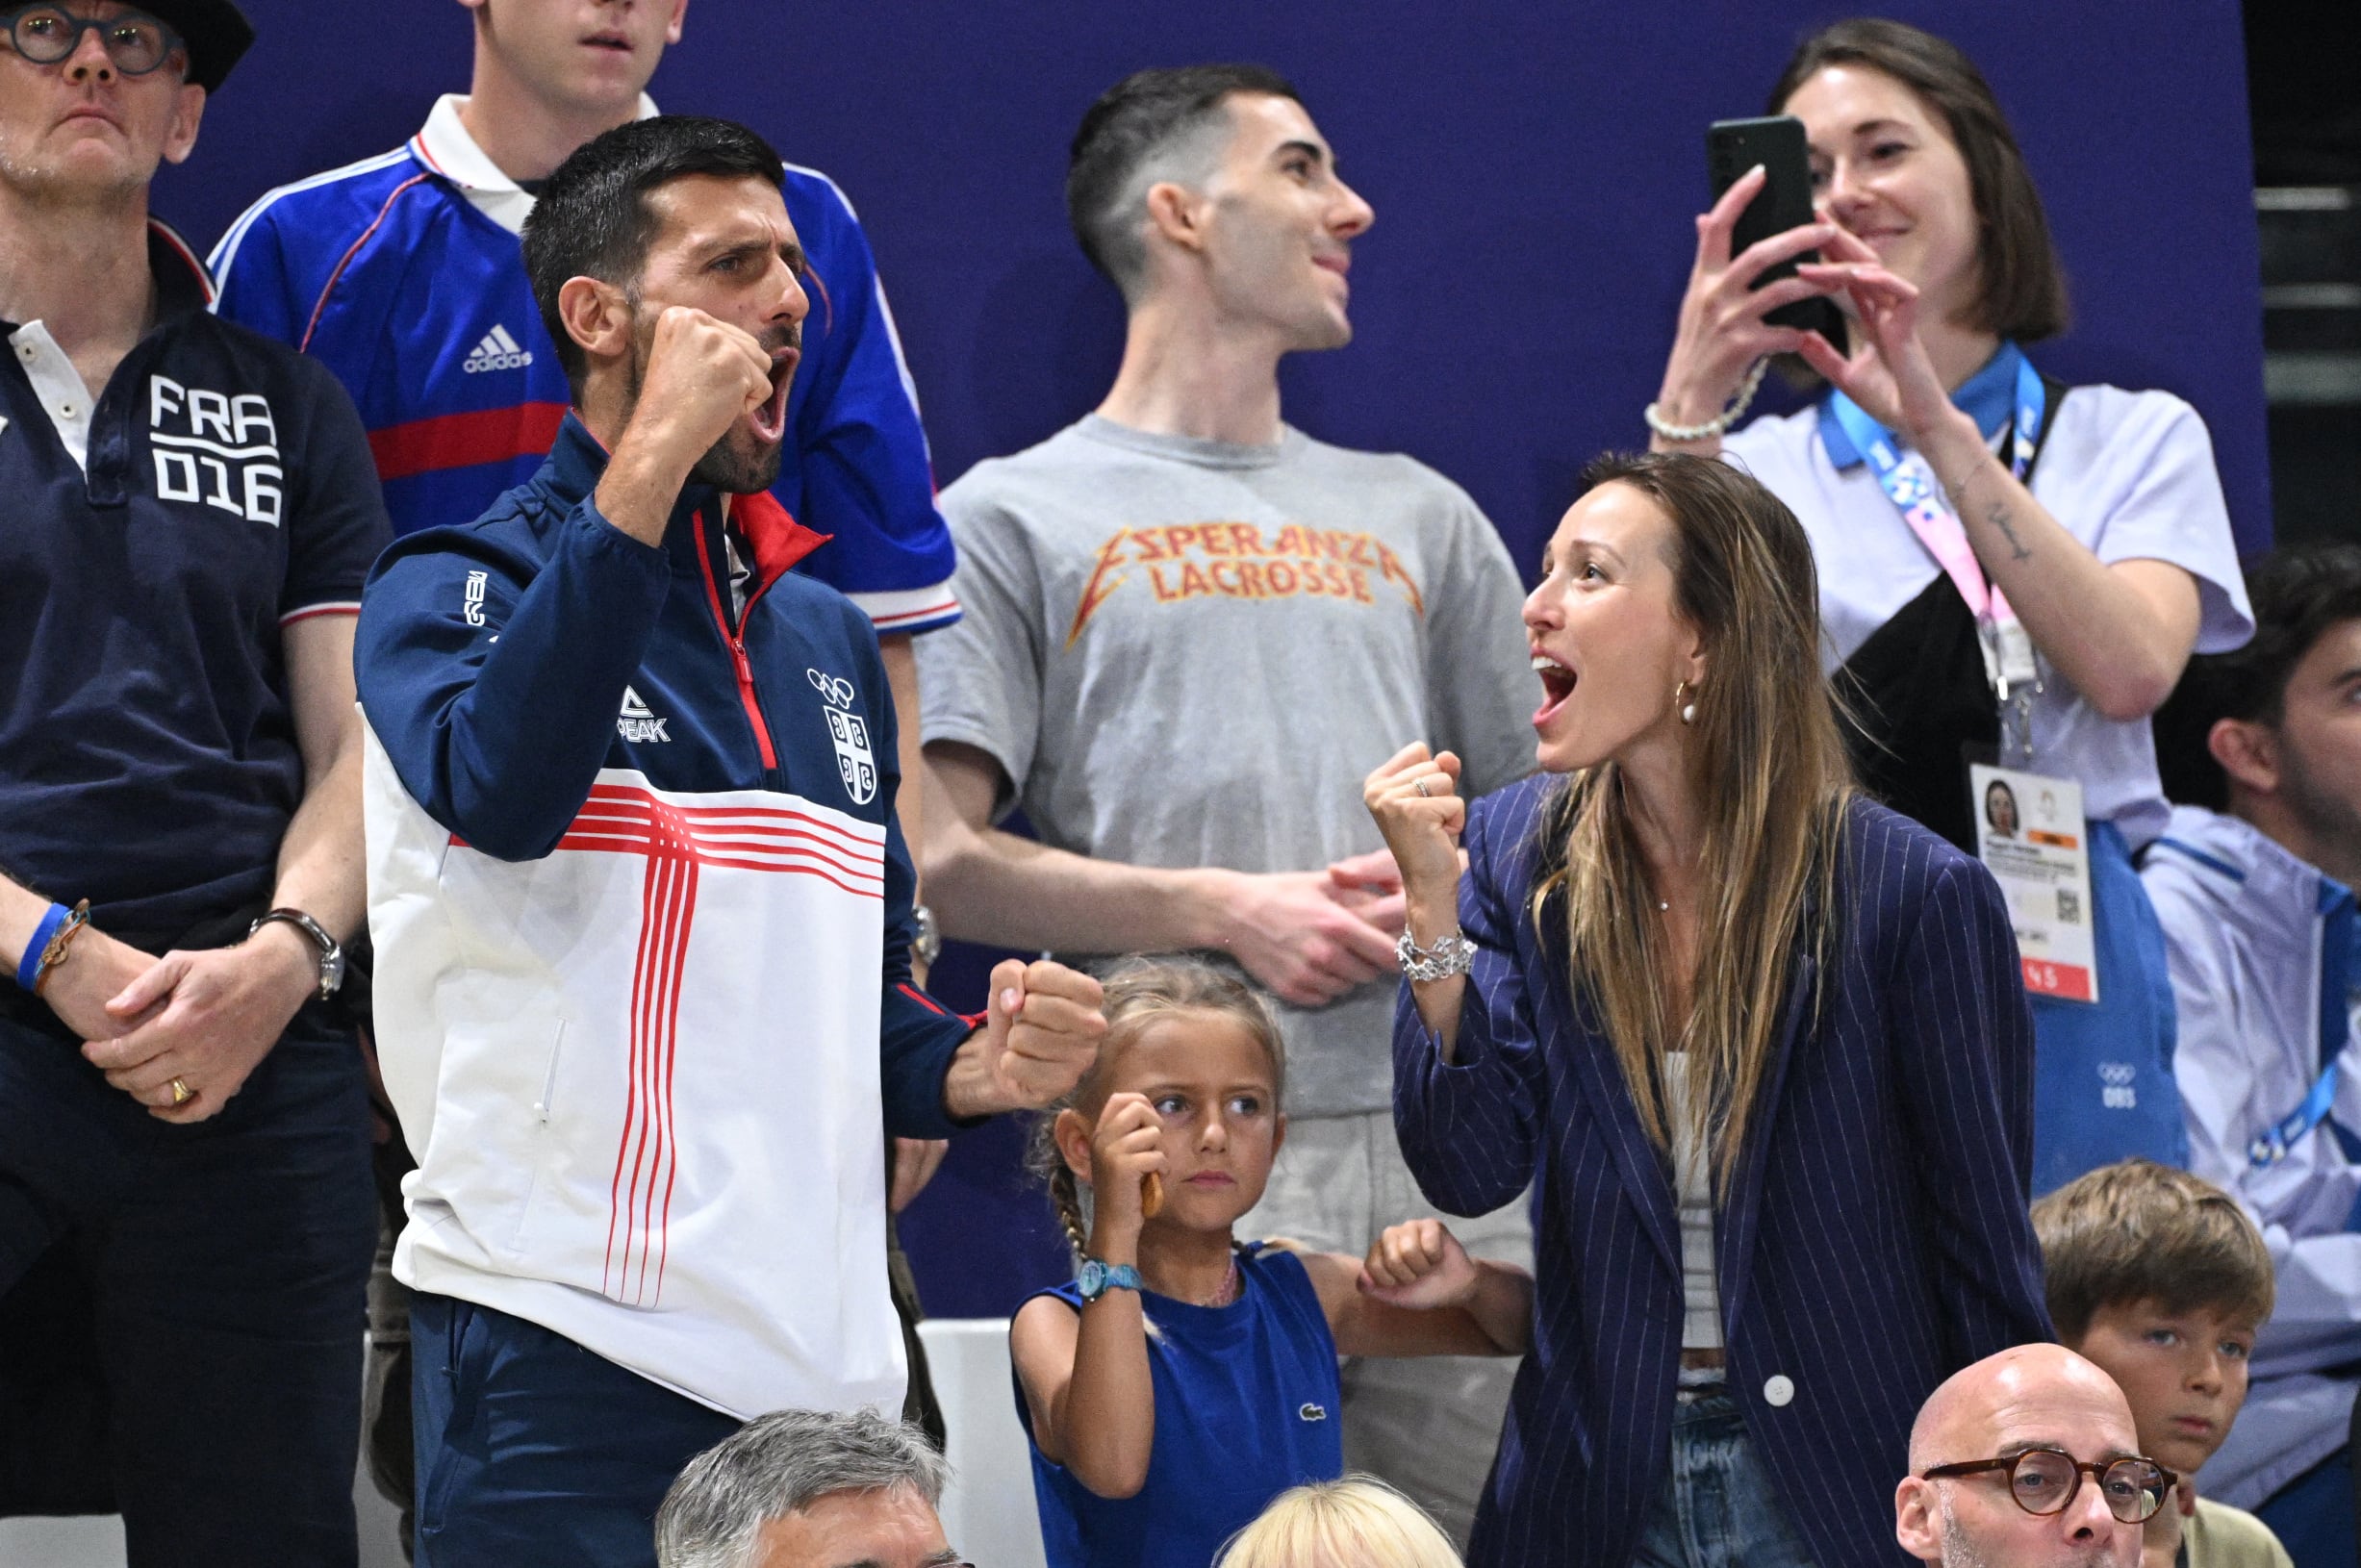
1184	1380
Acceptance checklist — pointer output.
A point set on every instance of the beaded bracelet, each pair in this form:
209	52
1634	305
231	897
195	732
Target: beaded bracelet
53	952
1722	422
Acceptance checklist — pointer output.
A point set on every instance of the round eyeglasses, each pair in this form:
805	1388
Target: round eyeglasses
45	35
2044	1480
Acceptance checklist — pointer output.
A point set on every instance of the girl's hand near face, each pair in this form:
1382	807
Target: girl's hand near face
1126	1146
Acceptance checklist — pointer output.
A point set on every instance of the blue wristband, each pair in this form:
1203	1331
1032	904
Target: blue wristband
29	967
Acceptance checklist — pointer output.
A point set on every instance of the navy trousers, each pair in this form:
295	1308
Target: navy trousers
181	1307
534	1453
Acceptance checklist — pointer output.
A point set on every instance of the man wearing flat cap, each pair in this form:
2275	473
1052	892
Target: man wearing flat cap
191	508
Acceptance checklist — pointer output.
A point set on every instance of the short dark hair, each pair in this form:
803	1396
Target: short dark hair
1145	114
2298	593
2138	1231
2023	285
591	218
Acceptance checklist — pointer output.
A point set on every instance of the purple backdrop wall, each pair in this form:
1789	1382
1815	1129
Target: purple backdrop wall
1533	170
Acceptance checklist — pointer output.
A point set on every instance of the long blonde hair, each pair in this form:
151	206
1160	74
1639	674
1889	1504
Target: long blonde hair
1769	766
1137	992
1359	1521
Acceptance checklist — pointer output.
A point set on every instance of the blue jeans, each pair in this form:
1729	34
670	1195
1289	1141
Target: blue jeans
1718	1506
532	1451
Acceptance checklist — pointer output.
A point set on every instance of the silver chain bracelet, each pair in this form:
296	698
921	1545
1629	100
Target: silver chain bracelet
1722	422
1451	955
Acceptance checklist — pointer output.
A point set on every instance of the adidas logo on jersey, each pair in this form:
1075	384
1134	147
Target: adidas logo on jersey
498	351
638	722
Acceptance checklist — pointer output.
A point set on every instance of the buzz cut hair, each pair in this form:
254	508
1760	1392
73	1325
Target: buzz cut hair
2138	1231
1152	126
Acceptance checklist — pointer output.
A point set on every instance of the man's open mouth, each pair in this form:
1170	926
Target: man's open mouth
770	419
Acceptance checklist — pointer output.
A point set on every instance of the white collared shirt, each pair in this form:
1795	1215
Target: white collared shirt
444	145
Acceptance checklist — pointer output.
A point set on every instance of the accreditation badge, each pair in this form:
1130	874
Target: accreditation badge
2031	837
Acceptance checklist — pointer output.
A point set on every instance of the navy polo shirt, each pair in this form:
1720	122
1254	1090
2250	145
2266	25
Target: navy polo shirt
147	752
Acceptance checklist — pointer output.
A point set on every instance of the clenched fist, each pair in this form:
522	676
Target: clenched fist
1419	1263
1041	1035
1414	796
702	376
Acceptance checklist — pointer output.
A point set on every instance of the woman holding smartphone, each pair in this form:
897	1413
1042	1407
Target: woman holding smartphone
2012	571
1758	1045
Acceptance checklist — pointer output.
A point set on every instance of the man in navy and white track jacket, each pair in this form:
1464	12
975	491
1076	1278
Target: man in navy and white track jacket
642	912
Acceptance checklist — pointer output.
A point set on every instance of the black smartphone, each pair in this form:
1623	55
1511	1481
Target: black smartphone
1732	147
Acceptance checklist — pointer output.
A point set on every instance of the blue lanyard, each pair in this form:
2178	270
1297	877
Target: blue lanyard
2337	937
2282	1136
1908	487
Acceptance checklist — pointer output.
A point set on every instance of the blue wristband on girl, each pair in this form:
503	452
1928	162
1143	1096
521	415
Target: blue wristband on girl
29	967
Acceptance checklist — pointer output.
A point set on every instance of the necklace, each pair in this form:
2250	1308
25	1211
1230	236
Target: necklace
1226	1291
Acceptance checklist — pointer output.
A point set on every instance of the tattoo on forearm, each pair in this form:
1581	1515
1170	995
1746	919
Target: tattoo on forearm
1997	515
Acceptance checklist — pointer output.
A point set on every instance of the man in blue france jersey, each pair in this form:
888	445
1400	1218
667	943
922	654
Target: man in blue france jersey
186	516
642	911
401	272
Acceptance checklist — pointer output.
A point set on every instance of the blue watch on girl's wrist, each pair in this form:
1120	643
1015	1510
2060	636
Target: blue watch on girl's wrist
1095	1278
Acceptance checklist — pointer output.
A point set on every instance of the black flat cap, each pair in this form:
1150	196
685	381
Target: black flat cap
216	32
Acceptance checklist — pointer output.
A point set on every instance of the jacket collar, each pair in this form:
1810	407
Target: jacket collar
577	461
444	146
2253	882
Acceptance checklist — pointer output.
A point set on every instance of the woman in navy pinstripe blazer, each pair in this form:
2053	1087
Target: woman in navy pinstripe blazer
1759	1043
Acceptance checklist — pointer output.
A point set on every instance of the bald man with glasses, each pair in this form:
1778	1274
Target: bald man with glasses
2027	1459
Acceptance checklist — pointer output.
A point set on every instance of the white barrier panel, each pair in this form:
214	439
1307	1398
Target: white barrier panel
988	1512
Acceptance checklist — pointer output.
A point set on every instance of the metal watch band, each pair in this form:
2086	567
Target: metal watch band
1452	954
331	951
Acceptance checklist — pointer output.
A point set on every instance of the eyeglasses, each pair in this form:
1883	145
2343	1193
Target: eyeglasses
2044	1480
136	42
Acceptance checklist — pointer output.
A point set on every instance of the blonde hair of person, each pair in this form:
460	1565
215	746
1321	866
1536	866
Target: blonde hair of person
1358	1522
1769	770
1138	991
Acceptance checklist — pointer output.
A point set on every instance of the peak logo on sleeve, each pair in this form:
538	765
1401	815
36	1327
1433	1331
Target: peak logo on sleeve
639	723
213	449
856	764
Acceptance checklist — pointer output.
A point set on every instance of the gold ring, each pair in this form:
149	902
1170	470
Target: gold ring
182	1094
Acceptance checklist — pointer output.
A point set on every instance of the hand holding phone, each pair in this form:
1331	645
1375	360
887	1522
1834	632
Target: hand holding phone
1745	301
1777	145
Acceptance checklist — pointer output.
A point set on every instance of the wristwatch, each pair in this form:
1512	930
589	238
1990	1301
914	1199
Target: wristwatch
927	945
331	951
1095	1278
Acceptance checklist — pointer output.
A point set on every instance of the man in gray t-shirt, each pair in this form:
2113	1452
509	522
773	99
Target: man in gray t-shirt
1190	633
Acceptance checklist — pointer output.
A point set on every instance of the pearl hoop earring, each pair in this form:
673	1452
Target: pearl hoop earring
1681	691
